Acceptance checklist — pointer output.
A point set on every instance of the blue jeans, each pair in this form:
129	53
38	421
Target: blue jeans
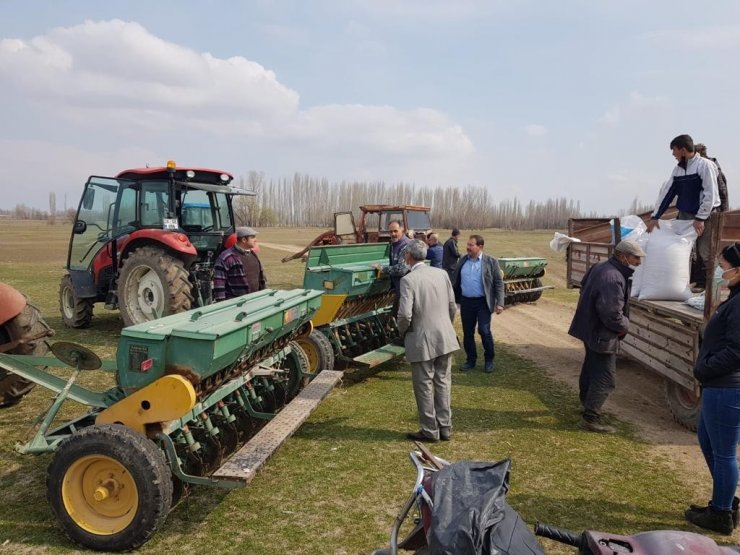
475	311
718	430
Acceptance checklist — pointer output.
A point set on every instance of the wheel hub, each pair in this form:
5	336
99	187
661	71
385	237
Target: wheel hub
100	495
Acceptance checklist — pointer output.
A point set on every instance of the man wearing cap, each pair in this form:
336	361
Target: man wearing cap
450	253
238	270
600	321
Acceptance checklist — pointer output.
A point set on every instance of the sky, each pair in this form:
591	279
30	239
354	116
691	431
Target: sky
530	99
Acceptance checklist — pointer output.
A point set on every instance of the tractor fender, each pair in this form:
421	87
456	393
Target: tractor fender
83	284
175	242
12	303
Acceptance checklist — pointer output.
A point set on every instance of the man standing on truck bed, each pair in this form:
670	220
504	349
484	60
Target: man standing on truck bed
600	322
238	271
694	183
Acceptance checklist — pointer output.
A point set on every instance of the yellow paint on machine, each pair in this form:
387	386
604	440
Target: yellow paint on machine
329	306
166	399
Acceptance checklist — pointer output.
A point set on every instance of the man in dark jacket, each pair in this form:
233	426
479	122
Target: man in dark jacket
600	321
238	270
479	290
434	251
396	267
451	254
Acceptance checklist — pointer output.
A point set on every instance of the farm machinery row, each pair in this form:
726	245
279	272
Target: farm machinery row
202	397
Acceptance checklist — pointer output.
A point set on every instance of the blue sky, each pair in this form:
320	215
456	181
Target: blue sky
532	99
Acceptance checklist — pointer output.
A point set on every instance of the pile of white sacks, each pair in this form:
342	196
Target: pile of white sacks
665	272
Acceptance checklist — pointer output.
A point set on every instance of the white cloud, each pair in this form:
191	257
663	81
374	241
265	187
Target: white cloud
112	84
535	130
719	37
635	104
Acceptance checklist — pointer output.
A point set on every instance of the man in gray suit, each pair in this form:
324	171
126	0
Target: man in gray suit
425	313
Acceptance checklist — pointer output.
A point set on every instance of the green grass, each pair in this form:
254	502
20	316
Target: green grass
337	484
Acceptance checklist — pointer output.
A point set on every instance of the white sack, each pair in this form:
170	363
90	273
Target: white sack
667	268
560	242
641	238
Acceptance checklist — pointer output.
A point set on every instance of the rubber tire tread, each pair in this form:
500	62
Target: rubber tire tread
323	348
682	414
83	308
297	382
178	296
29	322
147	466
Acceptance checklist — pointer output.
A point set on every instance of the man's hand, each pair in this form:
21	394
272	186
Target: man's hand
699	227
499	309
652	224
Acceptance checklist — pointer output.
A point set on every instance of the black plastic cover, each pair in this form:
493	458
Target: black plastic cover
471	515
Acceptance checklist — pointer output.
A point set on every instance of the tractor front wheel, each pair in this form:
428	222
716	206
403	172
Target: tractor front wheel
27	324
76	313
109	487
152	284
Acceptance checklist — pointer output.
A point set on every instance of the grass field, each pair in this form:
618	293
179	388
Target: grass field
337	484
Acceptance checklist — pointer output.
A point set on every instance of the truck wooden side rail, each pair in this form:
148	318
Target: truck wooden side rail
663	335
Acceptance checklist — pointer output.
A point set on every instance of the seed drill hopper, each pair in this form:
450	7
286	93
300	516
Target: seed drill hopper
354	326
201	398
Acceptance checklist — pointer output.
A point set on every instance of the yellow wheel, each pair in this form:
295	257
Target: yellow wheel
319	351
100	495
109	487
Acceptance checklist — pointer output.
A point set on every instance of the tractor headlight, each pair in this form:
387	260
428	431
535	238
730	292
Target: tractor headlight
190	174
224	178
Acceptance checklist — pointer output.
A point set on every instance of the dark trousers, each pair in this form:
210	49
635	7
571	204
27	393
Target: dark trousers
598	379
718	430
475	311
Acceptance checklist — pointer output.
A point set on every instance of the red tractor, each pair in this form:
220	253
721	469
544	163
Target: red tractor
22	332
372	227
145	242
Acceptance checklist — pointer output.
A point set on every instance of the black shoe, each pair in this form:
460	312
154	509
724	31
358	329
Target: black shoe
467	366
595	426
490	366
445	436
735	509
711	519
421	436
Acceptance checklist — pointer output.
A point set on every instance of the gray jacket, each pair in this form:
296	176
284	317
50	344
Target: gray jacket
426	309
493	283
603	306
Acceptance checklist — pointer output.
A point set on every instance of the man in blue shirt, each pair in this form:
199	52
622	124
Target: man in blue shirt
434	251
479	289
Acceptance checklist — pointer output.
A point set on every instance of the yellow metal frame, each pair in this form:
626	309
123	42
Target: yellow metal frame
329	307
166	399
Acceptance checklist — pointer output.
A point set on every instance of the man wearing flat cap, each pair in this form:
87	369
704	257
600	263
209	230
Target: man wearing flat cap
601	321
238	270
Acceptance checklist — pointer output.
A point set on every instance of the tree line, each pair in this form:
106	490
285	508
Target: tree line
305	201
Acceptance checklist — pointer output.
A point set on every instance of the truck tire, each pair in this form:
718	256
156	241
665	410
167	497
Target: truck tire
28	322
109	487
319	351
76	313
152	284
684	404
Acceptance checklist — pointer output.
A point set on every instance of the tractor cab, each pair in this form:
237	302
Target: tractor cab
181	215
373	226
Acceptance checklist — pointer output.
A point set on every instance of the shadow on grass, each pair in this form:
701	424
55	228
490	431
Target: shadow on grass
579	514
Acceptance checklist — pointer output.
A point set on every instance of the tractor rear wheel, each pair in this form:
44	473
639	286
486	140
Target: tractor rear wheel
109	487
27	323
76	313
319	350
152	284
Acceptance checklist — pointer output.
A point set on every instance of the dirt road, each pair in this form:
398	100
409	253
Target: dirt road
539	332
